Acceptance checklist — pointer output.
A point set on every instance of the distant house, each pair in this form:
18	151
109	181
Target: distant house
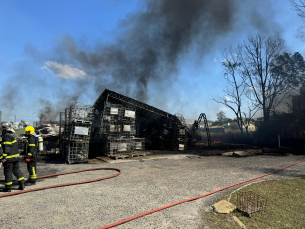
251	127
233	127
22	125
16	125
203	126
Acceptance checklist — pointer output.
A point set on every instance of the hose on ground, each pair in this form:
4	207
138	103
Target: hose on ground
119	172
66	184
194	198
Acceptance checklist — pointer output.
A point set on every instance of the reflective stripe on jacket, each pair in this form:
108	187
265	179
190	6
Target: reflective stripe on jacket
9	147
1	152
31	146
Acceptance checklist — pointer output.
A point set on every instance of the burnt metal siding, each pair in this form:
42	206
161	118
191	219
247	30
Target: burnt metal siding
144	112
143	108
148	118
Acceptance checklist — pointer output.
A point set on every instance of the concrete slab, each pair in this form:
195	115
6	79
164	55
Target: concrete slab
224	207
240	153
153	157
227	154
243	153
239	222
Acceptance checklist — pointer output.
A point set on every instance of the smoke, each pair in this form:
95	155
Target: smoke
47	113
152	42
50	111
148	49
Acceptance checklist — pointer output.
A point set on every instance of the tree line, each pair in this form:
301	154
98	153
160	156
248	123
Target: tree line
260	75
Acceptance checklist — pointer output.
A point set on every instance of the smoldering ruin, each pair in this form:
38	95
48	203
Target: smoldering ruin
118	127
147	50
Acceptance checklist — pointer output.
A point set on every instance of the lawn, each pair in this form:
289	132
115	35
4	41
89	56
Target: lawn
18	132
285	206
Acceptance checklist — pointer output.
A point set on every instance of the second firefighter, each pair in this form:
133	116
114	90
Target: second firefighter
30	151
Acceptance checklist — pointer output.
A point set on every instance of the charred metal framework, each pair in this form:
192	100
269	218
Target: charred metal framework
202	118
74	132
160	129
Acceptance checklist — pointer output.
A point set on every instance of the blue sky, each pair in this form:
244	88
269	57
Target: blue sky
38	67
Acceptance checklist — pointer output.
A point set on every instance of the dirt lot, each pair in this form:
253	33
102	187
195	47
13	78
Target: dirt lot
146	183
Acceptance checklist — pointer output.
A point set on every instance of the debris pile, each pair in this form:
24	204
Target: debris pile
47	130
75	130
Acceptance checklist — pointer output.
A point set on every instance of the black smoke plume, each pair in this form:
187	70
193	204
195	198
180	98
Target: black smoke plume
151	43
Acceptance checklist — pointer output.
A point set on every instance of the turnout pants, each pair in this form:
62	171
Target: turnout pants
31	166
10	168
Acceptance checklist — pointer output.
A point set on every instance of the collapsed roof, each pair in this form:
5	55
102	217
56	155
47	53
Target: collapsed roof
154	124
144	110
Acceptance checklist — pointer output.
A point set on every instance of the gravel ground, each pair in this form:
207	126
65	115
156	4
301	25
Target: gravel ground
144	185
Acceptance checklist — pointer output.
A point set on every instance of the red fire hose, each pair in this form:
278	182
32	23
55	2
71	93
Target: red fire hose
119	172
66	184
194	198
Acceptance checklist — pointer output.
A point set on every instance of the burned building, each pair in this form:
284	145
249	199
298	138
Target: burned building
122	125
118	126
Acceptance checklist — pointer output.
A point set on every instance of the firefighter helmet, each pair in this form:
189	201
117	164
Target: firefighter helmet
29	130
7	127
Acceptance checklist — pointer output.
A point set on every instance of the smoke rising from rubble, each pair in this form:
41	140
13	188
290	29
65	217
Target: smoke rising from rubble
50	112
150	45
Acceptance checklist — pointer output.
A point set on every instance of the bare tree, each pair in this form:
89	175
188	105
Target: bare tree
256	56
300	8
236	90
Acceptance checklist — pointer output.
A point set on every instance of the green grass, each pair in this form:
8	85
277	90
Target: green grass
285	206
18	132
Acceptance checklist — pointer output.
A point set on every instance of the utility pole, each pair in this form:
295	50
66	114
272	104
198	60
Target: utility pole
15	118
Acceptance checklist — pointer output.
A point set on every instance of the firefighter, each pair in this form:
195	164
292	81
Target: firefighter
10	158
30	151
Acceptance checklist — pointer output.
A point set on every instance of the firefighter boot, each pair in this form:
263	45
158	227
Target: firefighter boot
21	185
30	182
7	189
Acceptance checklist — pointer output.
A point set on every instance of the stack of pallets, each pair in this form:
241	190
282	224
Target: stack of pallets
75	131
118	132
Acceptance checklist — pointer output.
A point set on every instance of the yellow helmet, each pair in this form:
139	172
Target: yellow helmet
29	130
